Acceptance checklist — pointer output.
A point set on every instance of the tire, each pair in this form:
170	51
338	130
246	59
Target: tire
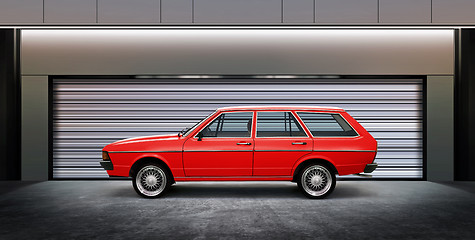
316	180
151	180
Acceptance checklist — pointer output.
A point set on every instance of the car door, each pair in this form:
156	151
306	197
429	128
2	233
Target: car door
280	141
223	148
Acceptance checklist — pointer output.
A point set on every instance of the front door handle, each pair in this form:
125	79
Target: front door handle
299	143
243	143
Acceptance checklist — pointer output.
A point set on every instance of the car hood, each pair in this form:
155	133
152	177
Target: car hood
140	141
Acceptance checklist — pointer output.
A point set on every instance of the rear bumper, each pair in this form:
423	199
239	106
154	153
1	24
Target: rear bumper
370	167
107	165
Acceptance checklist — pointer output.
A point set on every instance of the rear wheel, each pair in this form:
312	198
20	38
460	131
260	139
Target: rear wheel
316	180
151	180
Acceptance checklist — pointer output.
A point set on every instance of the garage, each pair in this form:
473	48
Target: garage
89	113
76	76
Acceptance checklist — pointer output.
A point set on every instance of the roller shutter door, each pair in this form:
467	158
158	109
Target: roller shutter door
91	113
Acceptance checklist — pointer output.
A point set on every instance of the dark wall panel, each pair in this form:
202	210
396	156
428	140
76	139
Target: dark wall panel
9	107
465	111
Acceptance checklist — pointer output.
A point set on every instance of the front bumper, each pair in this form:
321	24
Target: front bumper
107	165
370	167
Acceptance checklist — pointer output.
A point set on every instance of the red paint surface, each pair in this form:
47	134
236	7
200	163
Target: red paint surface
266	159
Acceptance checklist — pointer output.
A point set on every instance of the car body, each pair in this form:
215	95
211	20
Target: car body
307	145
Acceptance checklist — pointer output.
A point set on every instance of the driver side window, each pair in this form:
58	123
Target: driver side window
229	125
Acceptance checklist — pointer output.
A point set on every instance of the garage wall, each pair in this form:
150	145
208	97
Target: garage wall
440	110
9	107
155	12
310	51
230	51
34	127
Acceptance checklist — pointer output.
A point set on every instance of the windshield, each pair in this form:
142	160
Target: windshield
186	131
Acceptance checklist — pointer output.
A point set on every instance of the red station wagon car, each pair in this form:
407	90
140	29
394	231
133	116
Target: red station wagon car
307	145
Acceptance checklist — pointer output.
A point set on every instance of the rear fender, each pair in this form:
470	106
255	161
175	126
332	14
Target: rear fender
312	157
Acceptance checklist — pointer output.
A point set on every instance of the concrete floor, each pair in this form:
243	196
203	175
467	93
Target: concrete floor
241	210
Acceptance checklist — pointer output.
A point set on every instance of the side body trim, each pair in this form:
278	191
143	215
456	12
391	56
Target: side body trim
144	151
344	150
292	150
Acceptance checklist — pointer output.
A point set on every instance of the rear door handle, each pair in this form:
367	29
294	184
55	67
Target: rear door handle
299	143
243	143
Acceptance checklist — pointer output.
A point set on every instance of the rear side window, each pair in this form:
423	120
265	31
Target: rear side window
232	124
327	124
278	124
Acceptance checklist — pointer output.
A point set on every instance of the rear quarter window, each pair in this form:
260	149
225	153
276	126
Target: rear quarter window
327	124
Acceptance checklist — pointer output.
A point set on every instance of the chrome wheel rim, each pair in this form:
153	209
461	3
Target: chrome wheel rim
316	180
151	180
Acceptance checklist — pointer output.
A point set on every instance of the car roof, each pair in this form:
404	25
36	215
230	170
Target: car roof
286	108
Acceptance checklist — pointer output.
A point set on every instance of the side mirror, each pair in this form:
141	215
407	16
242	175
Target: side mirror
200	136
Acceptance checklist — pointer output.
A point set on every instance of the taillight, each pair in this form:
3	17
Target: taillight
105	156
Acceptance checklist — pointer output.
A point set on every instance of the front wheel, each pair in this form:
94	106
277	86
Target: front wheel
316	181
151	181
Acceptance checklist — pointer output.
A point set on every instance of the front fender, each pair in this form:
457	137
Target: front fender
123	161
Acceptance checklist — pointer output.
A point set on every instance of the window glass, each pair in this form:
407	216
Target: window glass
278	124
187	131
232	124
326	124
